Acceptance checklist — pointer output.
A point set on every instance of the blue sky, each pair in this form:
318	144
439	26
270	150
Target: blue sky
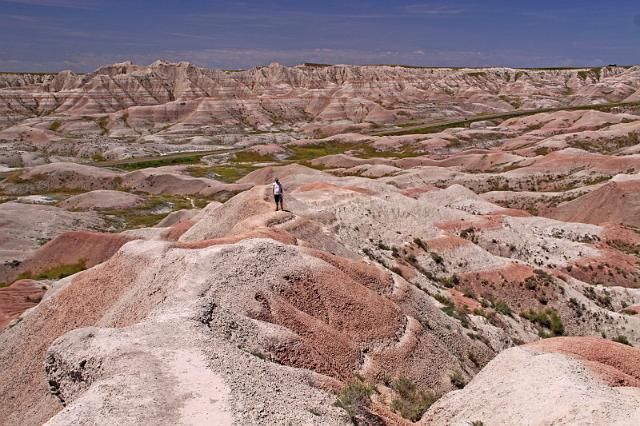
52	35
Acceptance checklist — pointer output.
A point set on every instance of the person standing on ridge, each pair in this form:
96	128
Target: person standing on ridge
277	193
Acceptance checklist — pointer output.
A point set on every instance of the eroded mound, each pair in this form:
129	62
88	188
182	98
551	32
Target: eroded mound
545	383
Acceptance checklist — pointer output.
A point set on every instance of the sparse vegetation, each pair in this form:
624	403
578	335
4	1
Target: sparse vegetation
159	162
153	211
602	299
228	173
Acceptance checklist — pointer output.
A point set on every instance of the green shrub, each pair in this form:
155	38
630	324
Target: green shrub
546	318
412	402
355	397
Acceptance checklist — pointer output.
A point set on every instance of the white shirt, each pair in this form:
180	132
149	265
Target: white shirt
277	189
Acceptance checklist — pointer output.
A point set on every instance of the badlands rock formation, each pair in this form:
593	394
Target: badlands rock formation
124	110
425	269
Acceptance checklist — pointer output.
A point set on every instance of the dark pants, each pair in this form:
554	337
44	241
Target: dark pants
278	199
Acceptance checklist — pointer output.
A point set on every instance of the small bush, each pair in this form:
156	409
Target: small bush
502	307
355	397
437	258
412	402
622	339
421	244
443	299
382	246
472	357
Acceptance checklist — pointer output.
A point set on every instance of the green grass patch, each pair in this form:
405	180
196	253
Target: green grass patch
62	271
252	157
301	153
55	273
159	162
439	127
228	173
152	212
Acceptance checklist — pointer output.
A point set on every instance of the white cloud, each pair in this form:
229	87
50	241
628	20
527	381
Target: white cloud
231	58
69	4
431	9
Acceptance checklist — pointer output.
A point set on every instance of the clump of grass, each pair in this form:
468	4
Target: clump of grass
55	126
622	339
355	397
103	122
382	246
437	258
412	402
258	354
457	379
502	307
546	319
421	244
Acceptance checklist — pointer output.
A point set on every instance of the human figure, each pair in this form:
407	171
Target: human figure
278	193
